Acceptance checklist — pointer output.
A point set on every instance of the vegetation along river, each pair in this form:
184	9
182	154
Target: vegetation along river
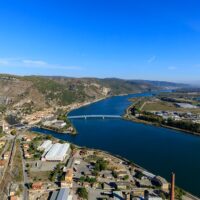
157	149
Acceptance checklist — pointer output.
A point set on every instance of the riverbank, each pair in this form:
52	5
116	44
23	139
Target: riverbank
128	165
58	131
130	117
70	129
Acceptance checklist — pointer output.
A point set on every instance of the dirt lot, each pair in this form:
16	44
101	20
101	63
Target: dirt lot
39	176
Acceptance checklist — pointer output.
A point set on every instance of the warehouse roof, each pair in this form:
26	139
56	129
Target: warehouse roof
57	152
45	145
63	194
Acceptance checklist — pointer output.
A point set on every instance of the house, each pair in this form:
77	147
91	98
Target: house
107	174
86	185
13	189
2	164
37	186
59	124
122	185
121	174
159	181
6	155
107	186
28	138
27	155
95	185
2	143
13	197
25	146
145	182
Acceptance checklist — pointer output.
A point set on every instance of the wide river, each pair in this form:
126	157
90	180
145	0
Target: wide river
159	150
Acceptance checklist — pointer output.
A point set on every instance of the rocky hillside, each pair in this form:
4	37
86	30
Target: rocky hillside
34	92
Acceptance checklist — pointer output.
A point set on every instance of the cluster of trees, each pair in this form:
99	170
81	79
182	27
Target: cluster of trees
100	165
179	193
151	118
83	193
57	173
87	179
12	119
33	147
185	125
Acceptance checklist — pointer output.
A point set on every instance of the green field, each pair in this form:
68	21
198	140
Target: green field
166	106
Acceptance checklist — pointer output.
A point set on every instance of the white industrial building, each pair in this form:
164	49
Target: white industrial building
186	105
63	194
57	152
45	145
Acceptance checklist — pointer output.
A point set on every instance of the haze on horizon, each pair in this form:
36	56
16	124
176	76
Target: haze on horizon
129	39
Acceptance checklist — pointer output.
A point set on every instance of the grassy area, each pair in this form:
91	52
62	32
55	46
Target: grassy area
1	149
17	172
167	106
1	134
159	105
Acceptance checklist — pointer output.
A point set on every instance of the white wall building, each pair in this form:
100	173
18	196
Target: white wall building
45	145
57	152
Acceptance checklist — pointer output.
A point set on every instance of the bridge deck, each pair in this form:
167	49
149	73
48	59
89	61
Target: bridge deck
94	116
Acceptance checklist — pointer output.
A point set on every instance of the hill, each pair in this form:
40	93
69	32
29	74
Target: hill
37	92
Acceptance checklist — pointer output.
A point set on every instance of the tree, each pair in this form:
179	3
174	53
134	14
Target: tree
126	177
13	132
83	193
100	165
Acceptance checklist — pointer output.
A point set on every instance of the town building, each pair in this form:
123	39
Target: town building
37	186
45	145
117	195
2	164
159	181
2	143
6	155
68	179
64	194
57	152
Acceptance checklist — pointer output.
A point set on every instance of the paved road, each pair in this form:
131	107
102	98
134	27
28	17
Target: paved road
25	175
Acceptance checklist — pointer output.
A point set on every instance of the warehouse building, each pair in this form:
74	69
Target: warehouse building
63	194
57	152
45	145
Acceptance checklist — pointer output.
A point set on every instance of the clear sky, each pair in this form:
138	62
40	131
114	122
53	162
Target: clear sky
131	39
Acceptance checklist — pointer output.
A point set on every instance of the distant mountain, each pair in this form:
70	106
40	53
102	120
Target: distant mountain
165	84
39	92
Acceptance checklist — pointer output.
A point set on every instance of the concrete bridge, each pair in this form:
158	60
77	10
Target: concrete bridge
95	116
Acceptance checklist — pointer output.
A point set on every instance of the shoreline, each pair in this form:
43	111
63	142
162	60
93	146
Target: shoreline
56	131
86	104
66	114
129	162
127	117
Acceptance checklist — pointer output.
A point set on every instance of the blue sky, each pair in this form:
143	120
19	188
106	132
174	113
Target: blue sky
131	39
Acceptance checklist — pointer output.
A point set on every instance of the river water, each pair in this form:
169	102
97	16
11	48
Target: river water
159	150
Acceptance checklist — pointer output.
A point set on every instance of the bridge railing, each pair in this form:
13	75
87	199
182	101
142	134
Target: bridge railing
93	116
